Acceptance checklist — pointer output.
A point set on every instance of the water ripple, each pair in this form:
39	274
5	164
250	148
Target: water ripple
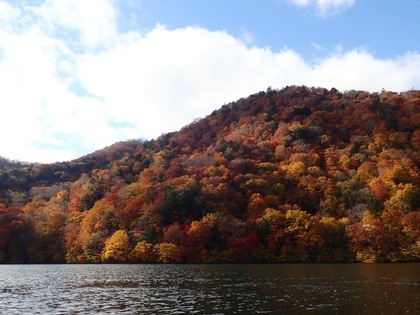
208	289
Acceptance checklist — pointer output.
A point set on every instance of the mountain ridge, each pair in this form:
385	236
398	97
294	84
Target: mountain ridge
298	174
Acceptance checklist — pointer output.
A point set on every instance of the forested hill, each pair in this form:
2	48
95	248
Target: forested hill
295	175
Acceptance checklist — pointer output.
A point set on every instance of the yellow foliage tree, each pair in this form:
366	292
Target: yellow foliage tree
295	170
274	218
167	253
256	206
117	247
142	252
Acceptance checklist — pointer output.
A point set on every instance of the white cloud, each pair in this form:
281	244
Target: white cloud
93	20
8	13
246	37
358	69
61	100
324	8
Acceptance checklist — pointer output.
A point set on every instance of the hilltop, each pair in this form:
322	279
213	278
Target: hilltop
293	175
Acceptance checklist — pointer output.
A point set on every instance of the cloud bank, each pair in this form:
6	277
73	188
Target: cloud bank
74	84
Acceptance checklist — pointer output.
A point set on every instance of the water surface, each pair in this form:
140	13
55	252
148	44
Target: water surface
210	289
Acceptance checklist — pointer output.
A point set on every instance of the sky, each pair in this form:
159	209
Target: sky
79	75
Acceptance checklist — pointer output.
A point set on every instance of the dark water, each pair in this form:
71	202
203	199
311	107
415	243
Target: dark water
210	289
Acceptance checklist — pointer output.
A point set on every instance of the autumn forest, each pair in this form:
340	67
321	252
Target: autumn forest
293	175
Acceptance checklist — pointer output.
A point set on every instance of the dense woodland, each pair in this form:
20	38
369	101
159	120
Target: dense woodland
293	175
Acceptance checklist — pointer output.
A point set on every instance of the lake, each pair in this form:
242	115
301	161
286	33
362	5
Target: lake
210	289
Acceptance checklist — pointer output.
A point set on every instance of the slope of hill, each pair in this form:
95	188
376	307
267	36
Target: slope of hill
6	164
300	175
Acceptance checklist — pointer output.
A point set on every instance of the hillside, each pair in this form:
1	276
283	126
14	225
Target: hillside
295	175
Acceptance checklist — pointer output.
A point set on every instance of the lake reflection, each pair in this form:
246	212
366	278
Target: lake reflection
210	289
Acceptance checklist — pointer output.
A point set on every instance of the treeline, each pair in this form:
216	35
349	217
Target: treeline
295	175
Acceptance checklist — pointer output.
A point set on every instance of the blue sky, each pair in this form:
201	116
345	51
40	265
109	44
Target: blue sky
78	75
382	27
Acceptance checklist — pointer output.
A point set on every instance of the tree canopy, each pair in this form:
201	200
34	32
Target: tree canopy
293	175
